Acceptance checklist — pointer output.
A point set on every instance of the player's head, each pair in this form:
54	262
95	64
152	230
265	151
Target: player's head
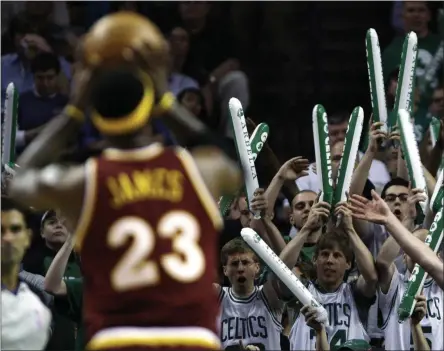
53	228
245	215
300	207
240	263
122	100
333	257
395	193
16	236
119	48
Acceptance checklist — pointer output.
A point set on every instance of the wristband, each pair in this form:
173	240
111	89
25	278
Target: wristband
74	113
167	101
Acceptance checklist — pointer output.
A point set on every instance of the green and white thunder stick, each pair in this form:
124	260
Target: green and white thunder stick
406	79
322	153
411	155
10	125
438	192
243	148
434	130
418	276
258	138
374	65
349	154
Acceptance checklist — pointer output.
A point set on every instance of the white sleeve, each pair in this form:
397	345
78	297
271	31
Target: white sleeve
387	302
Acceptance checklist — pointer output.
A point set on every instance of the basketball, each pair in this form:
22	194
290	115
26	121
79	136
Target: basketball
112	40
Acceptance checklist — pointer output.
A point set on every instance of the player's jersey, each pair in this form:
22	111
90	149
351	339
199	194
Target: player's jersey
344	320
250	319
398	336
148	238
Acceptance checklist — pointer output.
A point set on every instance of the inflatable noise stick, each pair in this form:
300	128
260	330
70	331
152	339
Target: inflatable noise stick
322	153
377	90
434	130
418	276
243	148
283	273
412	158
436	201
349	154
406	79
10	126
258	139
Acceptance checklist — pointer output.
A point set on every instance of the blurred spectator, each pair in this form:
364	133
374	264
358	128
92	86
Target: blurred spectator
55	233
40	105
212	61
179	46
194	101
437	105
16	67
416	17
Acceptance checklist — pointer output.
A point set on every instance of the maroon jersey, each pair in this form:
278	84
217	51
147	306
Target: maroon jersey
147	238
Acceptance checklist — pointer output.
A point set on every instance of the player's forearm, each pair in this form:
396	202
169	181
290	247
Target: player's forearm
291	251
48	145
276	239
364	259
321	340
419	341
54	277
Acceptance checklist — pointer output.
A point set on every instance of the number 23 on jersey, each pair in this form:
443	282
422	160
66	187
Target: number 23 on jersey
185	264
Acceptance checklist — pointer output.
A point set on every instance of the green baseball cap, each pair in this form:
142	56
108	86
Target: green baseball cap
354	345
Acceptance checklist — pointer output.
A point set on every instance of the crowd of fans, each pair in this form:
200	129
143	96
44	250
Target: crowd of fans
39	40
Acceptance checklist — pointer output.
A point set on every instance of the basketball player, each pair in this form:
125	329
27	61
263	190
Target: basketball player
377	211
25	319
392	286
346	303
146	222
249	314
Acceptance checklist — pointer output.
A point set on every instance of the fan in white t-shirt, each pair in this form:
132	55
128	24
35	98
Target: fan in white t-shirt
25	319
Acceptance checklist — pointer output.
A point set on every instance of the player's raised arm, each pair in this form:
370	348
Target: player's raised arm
377	211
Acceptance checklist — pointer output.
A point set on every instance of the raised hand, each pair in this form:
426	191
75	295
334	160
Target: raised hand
416	195
318	216
420	309
376	137
375	211
259	202
342	208
294	168
310	317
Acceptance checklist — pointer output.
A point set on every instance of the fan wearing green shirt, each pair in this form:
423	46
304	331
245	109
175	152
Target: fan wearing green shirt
416	17
69	289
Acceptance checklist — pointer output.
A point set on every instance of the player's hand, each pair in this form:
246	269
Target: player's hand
310	317
346	223
376	137
416	195
81	87
375	211
420	309
37	43
294	168
259	202
318	216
